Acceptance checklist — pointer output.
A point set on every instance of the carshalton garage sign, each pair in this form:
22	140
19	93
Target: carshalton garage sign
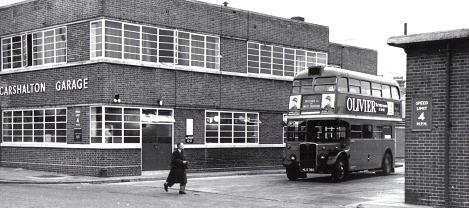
39	87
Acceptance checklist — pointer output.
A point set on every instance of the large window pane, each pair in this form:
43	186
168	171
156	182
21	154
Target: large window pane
233	127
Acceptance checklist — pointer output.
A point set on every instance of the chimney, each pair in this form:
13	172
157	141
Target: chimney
298	18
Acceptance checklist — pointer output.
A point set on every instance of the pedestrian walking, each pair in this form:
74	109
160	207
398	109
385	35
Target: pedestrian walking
177	174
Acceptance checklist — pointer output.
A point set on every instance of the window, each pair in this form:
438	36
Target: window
395	93
280	61
96	42
231	127
361	131
151	44
14	52
33	49
325	84
365	87
166	46
198	50
387	132
386	91
342	85
41	125
307	86
123	125
354	86
115	125
131	42
376	90
266	59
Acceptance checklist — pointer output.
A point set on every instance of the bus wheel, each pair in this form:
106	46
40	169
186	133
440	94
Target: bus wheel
387	164
340	171
292	173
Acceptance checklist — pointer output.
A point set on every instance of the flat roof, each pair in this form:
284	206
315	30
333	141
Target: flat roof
403	41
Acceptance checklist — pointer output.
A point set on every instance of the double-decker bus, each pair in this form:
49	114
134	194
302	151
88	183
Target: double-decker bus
340	121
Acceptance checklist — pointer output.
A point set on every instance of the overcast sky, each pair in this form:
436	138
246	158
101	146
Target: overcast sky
365	23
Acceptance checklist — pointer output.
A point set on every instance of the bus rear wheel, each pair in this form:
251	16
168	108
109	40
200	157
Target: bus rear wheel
340	170
292	173
387	164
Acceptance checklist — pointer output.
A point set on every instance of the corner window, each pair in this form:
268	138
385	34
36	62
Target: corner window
33	49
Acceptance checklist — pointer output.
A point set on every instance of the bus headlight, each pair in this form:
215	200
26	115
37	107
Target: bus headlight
292	157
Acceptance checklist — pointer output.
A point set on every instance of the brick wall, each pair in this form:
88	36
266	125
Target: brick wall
44	13
425	152
213	19
117	162
353	58
234	158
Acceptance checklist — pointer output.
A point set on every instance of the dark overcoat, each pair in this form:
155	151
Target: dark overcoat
177	174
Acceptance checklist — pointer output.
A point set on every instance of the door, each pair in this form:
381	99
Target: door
157	142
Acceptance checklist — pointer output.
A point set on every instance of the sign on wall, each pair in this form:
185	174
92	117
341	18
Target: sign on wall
422	114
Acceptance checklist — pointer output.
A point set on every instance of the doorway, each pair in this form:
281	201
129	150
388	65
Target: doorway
157	140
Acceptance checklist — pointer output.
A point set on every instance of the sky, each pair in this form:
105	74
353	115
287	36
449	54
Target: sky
364	23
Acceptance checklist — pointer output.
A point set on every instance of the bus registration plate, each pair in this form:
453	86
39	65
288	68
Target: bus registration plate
307	169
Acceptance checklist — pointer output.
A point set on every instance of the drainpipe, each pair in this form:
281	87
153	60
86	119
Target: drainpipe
448	122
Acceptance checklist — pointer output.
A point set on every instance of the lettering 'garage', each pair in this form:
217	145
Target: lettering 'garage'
71	84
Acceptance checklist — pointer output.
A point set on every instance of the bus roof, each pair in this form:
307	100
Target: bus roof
332	71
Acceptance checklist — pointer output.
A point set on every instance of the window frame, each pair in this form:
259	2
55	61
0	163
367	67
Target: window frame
211	46
43	122
292	60
233	131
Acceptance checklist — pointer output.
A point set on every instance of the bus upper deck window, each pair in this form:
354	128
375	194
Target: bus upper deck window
366	88
354	86
325	84
386	91
394	93
376	90
307	86
342	85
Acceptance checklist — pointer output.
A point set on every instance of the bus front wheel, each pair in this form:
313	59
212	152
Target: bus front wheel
292	173
340	170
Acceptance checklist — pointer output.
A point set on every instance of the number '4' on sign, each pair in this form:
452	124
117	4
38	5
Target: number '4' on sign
422	116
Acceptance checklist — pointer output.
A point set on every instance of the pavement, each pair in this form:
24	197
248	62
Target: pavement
23	176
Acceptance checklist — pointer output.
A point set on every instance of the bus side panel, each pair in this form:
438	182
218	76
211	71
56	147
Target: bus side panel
359	151
379	150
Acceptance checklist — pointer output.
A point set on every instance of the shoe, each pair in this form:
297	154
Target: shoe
182	192
166	187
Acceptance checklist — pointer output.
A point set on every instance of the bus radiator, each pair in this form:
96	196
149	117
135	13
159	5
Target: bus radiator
308	156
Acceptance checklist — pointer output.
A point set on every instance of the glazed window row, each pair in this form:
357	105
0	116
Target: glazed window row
118	40
345	85
38	125
281	61
34	48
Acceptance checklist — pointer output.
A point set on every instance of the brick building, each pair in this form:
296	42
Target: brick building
107	87
437	147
